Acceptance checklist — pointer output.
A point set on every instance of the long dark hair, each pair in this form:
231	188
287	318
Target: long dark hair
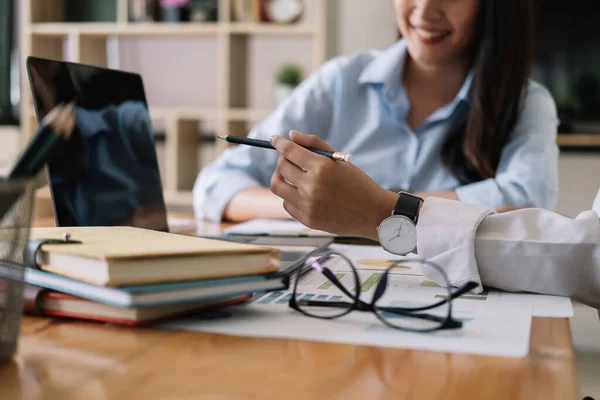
502	60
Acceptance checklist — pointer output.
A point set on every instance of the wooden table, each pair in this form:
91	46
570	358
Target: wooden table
77	360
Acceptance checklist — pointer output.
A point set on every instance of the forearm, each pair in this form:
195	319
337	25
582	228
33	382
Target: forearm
450	195
254	203
536	250
531	250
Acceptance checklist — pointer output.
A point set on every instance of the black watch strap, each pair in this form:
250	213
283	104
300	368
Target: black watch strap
408	205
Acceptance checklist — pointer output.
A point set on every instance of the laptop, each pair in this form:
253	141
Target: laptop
107	174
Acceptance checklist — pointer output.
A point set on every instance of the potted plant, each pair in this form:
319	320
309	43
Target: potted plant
175	10
288	77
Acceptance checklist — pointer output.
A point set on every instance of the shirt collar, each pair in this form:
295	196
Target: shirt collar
463	93
462	97
596	205
387	68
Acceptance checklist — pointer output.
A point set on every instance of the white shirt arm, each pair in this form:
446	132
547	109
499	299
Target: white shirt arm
530	250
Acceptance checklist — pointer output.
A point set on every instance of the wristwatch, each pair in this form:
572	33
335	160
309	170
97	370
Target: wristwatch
398	232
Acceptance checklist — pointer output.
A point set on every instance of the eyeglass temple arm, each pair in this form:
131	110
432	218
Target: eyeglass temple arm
467	287
331	276
369	307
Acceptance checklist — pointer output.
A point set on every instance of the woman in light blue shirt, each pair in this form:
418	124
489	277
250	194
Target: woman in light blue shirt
449	111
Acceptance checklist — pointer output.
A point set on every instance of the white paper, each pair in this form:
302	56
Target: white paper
181	224
494	323
375	258
500	334
280	227
494	331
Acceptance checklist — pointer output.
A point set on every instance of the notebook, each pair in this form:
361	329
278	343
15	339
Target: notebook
274	227
114	256
39	301
153	295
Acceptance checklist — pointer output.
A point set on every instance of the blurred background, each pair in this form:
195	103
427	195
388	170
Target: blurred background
219	66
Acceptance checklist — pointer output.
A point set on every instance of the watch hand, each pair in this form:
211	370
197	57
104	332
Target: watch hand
399	230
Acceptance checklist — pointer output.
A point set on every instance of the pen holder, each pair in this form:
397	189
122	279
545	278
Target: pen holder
16	203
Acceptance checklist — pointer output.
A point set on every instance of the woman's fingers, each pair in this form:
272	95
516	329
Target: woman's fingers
283	189
293	152
291	172
292	210
310	141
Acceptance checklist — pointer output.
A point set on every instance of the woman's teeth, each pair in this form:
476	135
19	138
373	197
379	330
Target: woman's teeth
431	35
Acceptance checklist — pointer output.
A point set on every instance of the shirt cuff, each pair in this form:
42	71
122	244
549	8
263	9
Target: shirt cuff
210	202
446	236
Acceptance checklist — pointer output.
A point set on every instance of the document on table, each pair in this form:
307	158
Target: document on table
375	258
274	227
494	323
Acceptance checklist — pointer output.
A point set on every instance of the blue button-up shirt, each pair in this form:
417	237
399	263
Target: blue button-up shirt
359	106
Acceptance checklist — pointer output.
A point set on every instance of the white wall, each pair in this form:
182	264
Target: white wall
355	25
579	177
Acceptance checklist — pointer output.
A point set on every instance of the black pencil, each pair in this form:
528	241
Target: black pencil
336	155
54	130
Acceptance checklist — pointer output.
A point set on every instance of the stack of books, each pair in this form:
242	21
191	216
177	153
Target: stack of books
135	276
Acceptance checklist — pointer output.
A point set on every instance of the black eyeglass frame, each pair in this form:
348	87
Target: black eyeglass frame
358	305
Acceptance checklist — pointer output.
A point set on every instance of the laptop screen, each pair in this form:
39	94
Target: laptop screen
107	174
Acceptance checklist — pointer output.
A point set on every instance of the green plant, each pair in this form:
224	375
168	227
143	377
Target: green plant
290	74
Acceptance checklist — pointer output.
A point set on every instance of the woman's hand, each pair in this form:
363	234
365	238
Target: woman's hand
325	194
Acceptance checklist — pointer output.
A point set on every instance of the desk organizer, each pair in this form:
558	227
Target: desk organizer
16	203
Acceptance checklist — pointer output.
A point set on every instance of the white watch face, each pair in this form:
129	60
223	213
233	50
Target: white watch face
398	234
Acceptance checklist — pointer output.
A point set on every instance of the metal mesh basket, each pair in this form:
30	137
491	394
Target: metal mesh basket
16	201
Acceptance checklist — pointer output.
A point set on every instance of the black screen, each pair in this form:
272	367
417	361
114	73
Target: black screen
107	173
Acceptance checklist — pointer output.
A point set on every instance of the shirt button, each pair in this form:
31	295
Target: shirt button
391	95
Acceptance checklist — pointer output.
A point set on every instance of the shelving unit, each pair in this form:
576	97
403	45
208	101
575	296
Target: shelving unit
46	34
569	140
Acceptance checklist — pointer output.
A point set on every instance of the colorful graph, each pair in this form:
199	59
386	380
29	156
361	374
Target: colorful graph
328	284
282	298
370	282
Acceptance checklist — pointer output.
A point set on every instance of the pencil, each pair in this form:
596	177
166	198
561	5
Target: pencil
335	155
54	130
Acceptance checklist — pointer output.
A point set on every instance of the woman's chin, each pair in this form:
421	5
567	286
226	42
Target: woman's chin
428	58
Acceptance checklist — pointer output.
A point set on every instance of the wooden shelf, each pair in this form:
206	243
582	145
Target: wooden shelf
105	29
269	29
45	34
578	140
124	29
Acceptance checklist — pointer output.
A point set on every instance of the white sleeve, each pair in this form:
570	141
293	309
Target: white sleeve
531	250
446	235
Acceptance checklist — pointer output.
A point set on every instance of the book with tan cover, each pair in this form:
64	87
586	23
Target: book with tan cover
114	256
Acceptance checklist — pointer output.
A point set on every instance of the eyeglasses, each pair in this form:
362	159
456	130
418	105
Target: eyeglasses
396	301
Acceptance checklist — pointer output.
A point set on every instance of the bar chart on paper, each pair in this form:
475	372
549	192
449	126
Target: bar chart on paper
268	315
494	323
